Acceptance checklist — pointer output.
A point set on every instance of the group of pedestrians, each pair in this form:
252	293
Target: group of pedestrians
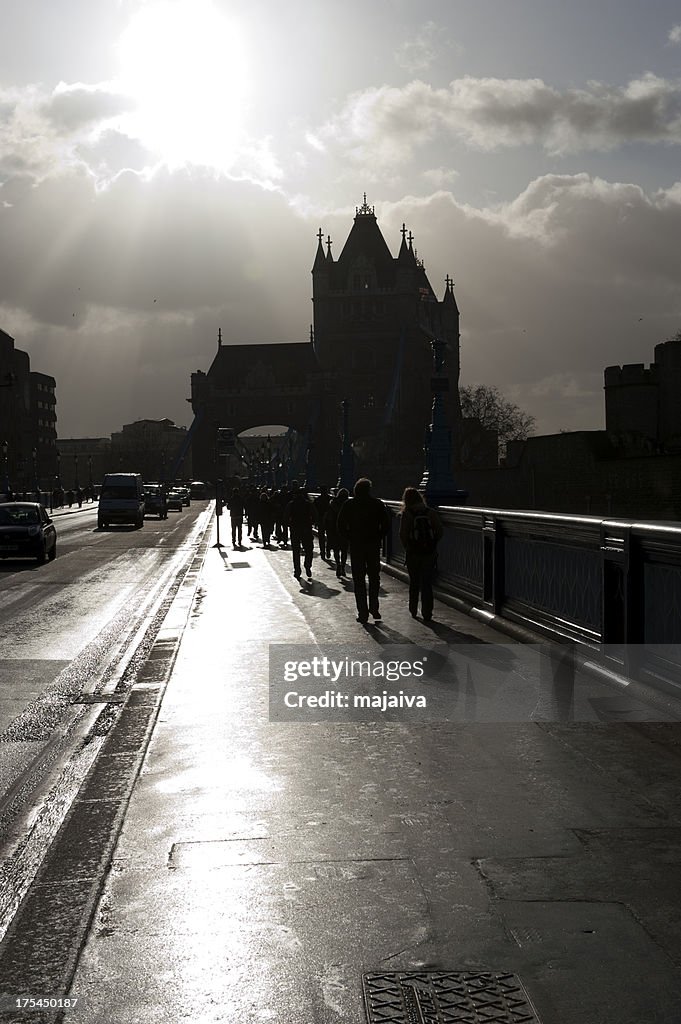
346	526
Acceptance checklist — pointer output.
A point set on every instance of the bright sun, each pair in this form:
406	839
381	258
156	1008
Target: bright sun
184	64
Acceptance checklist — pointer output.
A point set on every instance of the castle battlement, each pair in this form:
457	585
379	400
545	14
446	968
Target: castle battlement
631	375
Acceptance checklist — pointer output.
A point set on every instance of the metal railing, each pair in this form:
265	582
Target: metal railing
570	578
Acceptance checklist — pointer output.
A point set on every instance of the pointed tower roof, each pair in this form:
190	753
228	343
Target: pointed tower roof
405	255
448	299
320	258
365	240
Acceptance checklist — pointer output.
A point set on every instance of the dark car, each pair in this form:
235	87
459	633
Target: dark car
155	501
26	531
174	500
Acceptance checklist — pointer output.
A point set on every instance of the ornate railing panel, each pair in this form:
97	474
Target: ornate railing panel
572	577
560	580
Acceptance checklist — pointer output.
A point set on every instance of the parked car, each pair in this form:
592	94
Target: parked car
186	496
155	503
26	531
174	500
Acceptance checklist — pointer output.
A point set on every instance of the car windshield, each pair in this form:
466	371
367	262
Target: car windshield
118	491
152	492
21	515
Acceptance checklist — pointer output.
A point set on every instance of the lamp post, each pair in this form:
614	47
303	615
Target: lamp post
347	459
58	469
269	461
438	483
89	472
75	471
36	482
5	454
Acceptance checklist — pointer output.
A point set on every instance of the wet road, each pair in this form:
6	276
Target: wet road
69	627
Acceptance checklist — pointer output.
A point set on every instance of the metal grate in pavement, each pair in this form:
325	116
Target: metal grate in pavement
447	997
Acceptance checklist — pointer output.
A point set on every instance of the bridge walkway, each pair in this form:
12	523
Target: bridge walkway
500	847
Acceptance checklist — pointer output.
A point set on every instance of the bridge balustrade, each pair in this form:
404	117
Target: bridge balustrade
599	582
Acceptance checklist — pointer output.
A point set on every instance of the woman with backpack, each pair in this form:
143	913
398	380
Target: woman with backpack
420	531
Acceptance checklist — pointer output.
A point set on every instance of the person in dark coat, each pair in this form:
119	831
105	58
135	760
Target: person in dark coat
236	516
420	532
336	543
365	521
321	507
266	517
300	518
253	512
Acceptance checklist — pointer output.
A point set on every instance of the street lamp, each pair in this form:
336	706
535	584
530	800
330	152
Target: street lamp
75	471
346	476
36	483
438	483
5	452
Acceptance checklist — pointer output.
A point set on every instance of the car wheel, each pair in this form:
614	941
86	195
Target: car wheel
41	557
53	553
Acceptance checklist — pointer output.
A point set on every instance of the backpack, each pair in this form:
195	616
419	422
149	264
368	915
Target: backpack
422	535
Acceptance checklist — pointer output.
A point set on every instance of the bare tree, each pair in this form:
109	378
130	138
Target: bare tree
488	405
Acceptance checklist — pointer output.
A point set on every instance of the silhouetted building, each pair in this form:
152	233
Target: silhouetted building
375	316
631	469
153	448
28	421
646	401
83	461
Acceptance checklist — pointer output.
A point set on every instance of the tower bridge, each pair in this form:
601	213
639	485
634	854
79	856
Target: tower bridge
374	316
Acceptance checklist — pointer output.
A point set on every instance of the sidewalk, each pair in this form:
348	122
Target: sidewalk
263	868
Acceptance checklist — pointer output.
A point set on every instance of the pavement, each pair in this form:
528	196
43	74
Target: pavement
495	856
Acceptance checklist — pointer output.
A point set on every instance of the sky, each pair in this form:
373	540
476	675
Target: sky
165	166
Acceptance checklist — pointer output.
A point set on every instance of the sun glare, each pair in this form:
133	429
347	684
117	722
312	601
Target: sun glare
184	64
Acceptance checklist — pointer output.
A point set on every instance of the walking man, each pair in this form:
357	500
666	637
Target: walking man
321	507
365	521
299	518
236	516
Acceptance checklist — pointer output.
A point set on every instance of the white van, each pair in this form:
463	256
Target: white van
121	500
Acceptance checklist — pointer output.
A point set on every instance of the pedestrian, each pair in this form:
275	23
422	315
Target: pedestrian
253	512
365	521
337	545
420	532
266	519
321	507
279	502
299	519
236	516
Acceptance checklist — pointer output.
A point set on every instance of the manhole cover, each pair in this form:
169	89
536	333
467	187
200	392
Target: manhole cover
447	997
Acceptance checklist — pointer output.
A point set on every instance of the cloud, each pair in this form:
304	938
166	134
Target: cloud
73	107
418	54
125	288
675	35
92	129
388	123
